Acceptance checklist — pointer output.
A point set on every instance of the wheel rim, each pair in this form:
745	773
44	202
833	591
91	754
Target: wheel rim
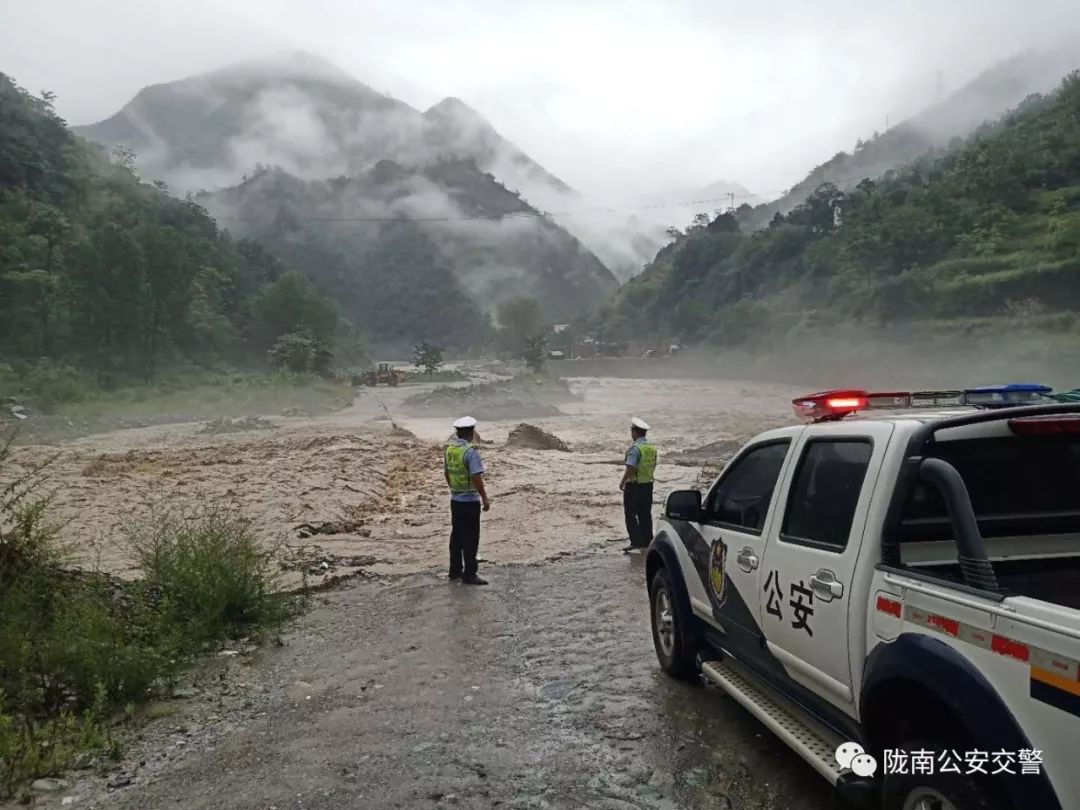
925	798
664	619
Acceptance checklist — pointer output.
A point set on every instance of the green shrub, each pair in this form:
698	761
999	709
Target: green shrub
46	385
214	578
30	748
28	538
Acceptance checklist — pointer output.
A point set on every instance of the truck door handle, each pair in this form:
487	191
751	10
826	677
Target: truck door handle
747	560
826	585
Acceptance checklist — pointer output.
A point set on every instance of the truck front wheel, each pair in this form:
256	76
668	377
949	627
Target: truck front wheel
669	631
939	791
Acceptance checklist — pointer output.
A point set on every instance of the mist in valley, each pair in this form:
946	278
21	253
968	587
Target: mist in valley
339	156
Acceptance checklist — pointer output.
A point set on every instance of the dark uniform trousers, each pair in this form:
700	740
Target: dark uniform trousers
637	507
464	537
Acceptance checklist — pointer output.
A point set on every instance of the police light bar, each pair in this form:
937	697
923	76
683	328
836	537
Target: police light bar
829	404
937	399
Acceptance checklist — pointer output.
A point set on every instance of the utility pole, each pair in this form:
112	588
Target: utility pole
731	204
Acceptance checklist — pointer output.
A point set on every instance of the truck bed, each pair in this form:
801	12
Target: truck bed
1049	579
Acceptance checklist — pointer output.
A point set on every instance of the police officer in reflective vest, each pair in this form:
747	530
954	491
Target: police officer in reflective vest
637	486
464	471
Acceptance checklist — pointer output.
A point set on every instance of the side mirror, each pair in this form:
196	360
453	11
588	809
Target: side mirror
684	504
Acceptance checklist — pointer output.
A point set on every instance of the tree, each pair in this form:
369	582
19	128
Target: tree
125	157
101	271
535	352
300	352
724	223
428	357
519	319
293	304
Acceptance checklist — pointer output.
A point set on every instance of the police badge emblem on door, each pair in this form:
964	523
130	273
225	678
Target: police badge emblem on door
717	579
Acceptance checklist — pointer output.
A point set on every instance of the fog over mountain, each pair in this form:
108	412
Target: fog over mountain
999	88
302	114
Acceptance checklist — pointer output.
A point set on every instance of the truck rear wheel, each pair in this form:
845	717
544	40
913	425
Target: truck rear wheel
669	631
939	791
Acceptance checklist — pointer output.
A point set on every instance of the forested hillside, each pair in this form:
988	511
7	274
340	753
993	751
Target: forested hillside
417	254
108	276
990	229
989	95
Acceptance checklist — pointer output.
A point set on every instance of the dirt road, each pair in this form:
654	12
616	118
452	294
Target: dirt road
540	691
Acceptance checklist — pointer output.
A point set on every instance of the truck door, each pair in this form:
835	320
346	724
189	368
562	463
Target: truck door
728	557
811	553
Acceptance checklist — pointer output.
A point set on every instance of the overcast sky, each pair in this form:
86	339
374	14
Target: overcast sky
617	98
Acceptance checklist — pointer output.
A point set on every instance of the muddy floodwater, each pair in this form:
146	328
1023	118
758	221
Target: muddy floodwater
400	689
376	494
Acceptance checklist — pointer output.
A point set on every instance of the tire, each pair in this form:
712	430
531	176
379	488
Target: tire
939	791
671	641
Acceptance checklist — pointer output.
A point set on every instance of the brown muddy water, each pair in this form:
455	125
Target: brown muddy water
381	489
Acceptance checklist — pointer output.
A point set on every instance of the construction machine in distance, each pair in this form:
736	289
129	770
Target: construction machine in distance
385	374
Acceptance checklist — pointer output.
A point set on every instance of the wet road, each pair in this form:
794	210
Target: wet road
538	691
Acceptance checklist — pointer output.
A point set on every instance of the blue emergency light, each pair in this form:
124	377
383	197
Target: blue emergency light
1008	395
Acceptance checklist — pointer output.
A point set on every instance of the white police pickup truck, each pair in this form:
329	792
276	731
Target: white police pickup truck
895	595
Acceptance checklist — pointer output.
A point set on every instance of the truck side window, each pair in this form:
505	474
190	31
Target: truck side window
825	492
741	497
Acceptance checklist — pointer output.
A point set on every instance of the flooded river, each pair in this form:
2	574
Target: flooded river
380	491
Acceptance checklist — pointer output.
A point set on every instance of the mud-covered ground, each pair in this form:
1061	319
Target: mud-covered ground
379	491
539	691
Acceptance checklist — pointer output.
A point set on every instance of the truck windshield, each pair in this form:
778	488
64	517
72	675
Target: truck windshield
1018	487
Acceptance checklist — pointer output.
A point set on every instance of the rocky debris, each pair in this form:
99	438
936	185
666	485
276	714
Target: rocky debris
226	425
524	395
121	780
316	562
84	761
295	412
530	437
49	785
18	411
305	530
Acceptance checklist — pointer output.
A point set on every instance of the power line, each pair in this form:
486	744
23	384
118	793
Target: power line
510	214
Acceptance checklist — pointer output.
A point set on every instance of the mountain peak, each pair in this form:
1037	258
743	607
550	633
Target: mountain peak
290	64
452	106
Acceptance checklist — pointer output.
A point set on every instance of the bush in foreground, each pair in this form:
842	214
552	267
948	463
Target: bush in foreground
214	579
80	649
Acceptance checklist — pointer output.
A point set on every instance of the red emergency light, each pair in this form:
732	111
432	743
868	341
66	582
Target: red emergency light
830	404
